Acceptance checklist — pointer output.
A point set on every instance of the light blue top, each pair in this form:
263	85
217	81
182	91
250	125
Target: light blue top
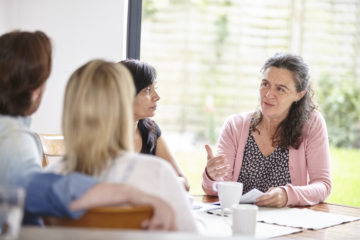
20	150
20	164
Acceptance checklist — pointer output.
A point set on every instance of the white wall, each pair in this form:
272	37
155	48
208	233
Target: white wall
80	30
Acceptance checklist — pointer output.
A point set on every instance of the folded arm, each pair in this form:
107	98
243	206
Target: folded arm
69	196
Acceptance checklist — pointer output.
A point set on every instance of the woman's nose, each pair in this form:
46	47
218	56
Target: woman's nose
156	96
269	93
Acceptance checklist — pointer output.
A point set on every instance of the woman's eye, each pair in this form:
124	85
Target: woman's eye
281	90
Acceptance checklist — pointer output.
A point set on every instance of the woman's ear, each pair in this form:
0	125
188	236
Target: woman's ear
300	95
36	94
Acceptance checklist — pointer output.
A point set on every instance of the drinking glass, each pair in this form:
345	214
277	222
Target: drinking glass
11	211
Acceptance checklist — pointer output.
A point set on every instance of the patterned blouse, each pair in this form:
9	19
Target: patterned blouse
258	171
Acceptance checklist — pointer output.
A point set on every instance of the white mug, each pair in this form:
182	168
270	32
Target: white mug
244	219
229	193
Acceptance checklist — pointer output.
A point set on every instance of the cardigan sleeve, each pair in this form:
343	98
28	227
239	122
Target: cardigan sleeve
317	159
226	146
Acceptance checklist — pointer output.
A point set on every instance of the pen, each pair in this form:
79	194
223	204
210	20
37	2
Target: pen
210	211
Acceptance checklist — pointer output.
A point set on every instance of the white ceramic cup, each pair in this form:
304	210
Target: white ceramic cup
11	211
229	193
244	219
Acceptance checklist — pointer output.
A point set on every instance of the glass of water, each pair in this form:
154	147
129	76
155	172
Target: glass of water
11	211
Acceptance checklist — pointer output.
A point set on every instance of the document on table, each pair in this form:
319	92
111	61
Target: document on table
302	218
218	225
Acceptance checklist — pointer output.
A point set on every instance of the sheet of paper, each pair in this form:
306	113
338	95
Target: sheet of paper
203	206
220	226
251	196
302	218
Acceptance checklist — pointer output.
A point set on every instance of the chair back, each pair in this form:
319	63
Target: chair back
52	145
125	217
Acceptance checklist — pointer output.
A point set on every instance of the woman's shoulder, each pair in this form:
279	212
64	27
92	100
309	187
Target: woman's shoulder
16	130
315	115
315	123
144	160
238	119
18	141
315	119
145	166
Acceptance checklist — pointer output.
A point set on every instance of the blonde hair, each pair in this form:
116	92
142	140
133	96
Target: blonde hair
97	116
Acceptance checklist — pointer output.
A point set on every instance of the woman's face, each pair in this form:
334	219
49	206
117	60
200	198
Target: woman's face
278	93
145	102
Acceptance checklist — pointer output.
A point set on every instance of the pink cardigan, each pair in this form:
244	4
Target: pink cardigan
309	165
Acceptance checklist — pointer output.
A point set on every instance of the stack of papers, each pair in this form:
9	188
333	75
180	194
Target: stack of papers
302	218
216	225
271	222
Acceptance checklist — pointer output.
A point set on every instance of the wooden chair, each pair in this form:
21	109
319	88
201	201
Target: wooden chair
126	217
53	146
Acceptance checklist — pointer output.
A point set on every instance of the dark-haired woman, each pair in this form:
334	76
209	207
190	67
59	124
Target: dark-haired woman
282	149
148	139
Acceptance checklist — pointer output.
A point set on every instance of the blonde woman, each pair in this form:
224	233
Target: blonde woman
98	133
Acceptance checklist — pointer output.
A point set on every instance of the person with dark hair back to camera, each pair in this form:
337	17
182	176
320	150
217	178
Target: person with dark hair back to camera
282	149
25	65
147	136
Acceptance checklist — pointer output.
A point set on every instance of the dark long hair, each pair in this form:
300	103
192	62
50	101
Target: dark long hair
143	75
25	64
289	131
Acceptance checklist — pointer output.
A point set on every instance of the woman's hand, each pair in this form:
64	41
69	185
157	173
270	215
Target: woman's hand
274	197
163	217
216	167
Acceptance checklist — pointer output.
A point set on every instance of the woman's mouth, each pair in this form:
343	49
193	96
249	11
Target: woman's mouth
268	104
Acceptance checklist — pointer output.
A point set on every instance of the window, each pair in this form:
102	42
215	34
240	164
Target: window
208	55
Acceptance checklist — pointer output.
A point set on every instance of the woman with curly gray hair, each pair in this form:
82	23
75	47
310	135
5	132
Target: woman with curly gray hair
282	149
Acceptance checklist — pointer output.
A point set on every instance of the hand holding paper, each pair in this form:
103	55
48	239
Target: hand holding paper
274	197
251	196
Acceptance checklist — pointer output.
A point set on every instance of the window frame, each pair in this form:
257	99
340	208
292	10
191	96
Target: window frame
134	29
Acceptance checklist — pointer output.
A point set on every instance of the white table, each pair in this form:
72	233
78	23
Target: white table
56	233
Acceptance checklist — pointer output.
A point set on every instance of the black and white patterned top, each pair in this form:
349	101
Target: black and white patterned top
258	171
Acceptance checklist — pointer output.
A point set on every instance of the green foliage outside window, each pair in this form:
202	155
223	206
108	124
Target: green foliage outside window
339	99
